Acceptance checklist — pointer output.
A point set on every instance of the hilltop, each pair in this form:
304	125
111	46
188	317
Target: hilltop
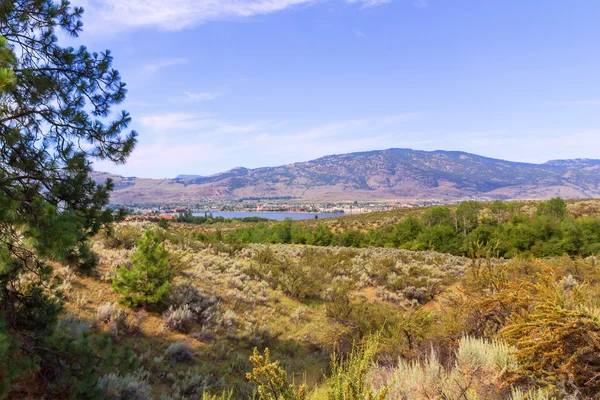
392	174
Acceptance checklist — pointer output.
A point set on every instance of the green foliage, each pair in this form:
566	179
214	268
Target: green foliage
54	107
499	211
74	359
7	62
192	384
557	336
222	396
550	232
163	224
12	366
348	379
271	380
148	281
408	331
441	320
134	386
406	231
467	215
300	278
555	208
123	236
437	215
208	219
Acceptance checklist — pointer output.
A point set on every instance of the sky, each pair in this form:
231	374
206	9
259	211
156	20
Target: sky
217	84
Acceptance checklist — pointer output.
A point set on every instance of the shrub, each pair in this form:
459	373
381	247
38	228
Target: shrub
179	352
205	396
105	312
126	387
302	277
299	314
297	279
163	224
539	394
179	319
478	369
494	357
192	384
271	379
264	256
557	337
202	306
71	361
204	335
119	321
348	379
124	236
228	319
259	334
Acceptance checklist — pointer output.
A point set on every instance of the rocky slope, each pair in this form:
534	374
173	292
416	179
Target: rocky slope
393	174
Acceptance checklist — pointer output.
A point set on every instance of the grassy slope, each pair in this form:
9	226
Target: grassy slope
253	313
298	332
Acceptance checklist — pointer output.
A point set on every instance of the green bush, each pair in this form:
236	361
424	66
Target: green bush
271	380
148	281
124	236
349	376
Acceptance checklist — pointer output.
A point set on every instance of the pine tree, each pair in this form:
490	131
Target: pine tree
54	106
149	279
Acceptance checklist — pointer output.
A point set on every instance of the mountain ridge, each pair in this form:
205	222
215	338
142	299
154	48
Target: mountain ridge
390	174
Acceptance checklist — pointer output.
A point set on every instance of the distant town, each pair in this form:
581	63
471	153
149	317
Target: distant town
169	211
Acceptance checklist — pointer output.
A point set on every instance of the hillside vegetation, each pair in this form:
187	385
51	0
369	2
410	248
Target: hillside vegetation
495	229
339	322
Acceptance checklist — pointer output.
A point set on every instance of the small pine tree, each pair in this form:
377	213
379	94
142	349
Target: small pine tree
148	281
163	223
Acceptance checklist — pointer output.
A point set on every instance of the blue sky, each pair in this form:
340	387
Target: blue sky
215	84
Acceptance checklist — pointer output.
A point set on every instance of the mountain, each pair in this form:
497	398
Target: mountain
393	174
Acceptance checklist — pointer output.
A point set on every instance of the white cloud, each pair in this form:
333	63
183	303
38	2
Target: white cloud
202	96
177	142
196	97
143	73
174	15
368	3
359	34
162	123
174	124
154	67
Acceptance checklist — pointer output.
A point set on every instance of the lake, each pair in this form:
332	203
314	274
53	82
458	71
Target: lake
278	215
